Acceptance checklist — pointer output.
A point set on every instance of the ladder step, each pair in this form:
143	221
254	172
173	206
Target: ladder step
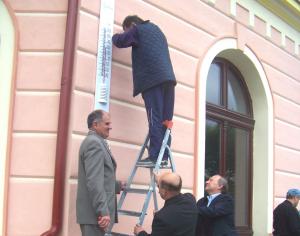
146	166
153	166
130	213
116	234
165	167
136	190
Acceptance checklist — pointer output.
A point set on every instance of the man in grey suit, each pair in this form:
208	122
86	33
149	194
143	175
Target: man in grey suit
97	185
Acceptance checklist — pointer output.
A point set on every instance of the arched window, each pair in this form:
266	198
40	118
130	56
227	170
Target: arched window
229	129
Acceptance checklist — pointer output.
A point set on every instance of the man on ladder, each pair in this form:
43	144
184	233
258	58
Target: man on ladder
153	77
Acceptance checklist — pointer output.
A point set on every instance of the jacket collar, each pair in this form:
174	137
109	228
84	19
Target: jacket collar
173	199
105	144
94	133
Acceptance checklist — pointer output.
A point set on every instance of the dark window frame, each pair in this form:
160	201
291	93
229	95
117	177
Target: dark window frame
227	117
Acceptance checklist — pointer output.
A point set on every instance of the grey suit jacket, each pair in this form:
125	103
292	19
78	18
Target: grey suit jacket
97	185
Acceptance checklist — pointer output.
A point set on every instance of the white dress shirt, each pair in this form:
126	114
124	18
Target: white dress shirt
212	197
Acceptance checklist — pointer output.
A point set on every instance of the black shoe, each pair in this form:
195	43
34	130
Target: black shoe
164	163
147	162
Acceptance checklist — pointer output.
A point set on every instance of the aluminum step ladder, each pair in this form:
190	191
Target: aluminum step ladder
154	169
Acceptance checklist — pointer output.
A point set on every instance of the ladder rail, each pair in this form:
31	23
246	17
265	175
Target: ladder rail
162	150
133	172
146	203
172	163
154	191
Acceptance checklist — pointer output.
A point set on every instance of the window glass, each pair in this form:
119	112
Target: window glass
212	148
236	100
213	87
236	171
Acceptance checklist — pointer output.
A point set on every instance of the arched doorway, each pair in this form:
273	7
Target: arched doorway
7	42
257	84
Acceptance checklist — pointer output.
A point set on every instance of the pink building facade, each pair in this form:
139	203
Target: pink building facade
256	38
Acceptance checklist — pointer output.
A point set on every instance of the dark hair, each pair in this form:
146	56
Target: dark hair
95	116
171	187
224	183
129	20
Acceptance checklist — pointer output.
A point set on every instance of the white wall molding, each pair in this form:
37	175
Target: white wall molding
271	19
6	70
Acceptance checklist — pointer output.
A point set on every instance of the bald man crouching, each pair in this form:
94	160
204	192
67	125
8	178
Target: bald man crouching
178	217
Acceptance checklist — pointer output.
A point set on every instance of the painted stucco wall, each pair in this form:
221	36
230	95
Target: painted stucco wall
41	28
191	28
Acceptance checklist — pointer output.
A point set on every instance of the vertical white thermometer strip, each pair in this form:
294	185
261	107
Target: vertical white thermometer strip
104	55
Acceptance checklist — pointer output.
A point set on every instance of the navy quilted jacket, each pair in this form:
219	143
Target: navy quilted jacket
151	62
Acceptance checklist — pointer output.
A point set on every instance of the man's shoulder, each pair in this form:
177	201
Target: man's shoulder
201	200
220	198
148	25
284	204
91	139
225	195
189	197
286	208
93	136
279	207
171	205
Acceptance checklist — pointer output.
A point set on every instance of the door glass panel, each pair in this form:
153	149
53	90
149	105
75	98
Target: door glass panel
237	162
213	87
236	99
212	148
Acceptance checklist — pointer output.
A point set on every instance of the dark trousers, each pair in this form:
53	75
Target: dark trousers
159	103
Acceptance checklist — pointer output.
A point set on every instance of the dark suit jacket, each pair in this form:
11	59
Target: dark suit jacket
97	183
286	220
218	218
178	217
